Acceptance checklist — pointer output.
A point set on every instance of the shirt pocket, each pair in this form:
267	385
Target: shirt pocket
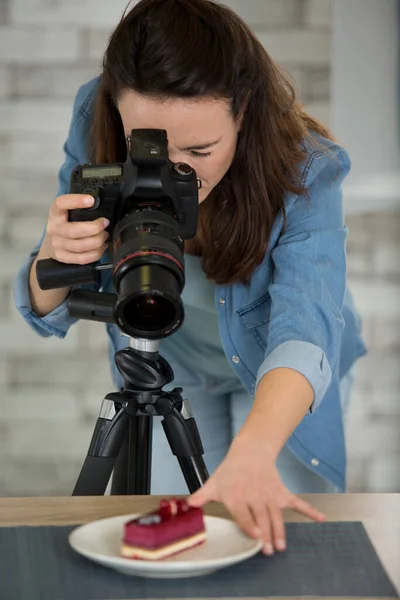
255	318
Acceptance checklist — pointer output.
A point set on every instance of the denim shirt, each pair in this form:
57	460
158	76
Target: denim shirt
296	313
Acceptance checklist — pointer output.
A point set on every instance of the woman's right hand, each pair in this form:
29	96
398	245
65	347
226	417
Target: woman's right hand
80	242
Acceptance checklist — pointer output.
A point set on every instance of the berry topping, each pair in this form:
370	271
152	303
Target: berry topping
183	506
170	508
165	510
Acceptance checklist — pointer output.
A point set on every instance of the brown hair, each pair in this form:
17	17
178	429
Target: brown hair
198	48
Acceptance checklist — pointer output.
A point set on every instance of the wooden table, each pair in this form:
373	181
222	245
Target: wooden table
380	514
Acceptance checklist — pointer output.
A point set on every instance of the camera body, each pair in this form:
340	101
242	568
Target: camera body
147	180
152	206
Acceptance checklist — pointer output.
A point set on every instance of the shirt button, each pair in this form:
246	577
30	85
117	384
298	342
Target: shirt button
221	301
315	462
235	359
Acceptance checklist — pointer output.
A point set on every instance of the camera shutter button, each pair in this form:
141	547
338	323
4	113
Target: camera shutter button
95	193
96	203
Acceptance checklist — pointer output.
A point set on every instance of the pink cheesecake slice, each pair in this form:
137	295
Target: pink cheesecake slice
173	527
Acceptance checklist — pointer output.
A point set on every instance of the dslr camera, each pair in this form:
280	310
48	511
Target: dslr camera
152	206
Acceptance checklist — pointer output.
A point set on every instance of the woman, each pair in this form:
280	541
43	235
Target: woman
270	334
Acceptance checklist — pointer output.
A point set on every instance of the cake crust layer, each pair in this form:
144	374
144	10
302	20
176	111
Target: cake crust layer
145	554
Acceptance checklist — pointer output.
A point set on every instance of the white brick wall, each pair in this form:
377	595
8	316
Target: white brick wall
374	423
319	110
30	148
36	46
24	232
317	13
268	13
43	403
4	82
55	80
78	13
51	390
16	338
34	117
311	47
17	192
71	371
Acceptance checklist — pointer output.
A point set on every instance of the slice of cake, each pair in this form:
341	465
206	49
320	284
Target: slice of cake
173	527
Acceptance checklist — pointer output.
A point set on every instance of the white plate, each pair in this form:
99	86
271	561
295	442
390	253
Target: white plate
225	545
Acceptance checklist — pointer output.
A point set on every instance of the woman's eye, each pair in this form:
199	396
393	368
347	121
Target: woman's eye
200	154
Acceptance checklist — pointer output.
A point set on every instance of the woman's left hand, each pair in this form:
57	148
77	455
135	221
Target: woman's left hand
248	484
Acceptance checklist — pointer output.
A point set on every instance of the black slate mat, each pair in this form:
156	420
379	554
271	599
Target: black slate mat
322	559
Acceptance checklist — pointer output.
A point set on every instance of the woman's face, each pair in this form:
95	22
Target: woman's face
201	132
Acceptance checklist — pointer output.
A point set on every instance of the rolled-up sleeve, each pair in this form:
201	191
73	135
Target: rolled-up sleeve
54	323
59	320
309	278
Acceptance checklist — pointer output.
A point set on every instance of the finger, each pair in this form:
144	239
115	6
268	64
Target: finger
198	499
306	509
278	528
71	201
262	520
78	229
206	493
80	246
243	516
84	258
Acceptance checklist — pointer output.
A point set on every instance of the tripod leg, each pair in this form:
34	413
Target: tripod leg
184	440
103	451
119	484
132	471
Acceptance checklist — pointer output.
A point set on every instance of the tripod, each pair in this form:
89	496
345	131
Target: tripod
122	439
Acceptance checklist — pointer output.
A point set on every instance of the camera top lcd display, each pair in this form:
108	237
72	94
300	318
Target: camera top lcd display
111	171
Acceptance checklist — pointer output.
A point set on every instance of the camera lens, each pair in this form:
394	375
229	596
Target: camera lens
149	312
148	306
148	274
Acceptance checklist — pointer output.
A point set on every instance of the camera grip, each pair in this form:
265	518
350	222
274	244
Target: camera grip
52	274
